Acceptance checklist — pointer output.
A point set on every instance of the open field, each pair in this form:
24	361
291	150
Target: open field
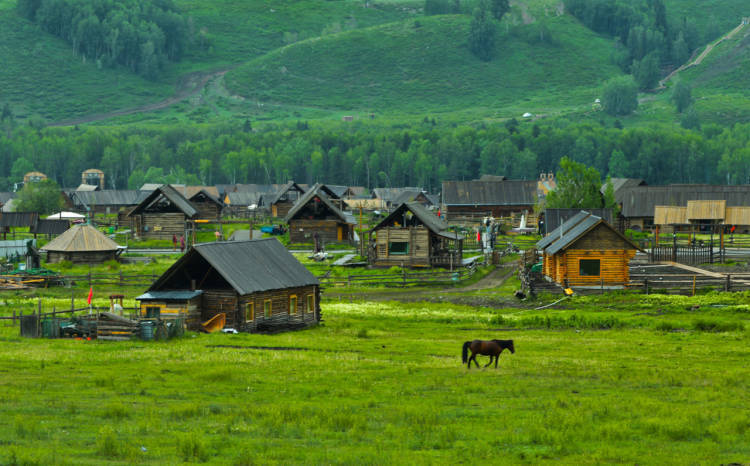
619	378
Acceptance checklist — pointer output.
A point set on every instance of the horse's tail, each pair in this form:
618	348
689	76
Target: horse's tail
465	351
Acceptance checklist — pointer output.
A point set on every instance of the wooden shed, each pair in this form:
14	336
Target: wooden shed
285	198
81	244
496	198
413	236
209	206
258	284
162	214
587	251
315	214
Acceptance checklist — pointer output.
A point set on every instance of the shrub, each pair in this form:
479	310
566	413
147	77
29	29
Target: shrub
704	325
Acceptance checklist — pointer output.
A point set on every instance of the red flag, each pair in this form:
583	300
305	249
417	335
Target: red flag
91	294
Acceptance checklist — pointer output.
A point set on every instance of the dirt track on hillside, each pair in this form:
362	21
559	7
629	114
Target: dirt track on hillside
187	86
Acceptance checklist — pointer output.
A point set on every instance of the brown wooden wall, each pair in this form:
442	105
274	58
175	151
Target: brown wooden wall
280	209
497	210
207	210
94	257
419	246
190	310
302	230
160	225
282	316
214	302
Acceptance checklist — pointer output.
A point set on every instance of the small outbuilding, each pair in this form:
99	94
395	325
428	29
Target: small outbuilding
413	236
315	214
285	198
587	251
258	284
82	244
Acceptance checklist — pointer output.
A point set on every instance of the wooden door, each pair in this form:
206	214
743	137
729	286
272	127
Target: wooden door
340	233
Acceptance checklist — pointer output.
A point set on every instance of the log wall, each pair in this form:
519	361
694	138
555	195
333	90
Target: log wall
613	266
84	257
162	225
419	246
302	230
280	209
281	317
208	210
214	302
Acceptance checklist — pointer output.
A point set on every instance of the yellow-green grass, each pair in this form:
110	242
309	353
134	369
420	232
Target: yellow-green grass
424	65
380	384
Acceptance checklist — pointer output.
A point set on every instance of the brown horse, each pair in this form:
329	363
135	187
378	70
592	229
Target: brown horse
491	348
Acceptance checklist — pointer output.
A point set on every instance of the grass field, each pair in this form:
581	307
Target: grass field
381	383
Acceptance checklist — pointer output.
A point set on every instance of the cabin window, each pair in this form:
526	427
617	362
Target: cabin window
293	304
589	267
310	303
267	308
249	312
396	248
153	312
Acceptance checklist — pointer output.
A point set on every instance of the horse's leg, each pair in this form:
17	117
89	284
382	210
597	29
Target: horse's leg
489	362
468	362
497	356
475	360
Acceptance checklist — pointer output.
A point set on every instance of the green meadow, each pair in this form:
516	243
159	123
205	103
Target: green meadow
603	379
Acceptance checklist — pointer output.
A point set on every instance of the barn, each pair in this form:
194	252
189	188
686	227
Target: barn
258	284
162	214
585	251
413	236
81	244
315	214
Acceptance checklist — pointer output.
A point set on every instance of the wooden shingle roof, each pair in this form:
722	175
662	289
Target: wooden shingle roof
81	238
487	193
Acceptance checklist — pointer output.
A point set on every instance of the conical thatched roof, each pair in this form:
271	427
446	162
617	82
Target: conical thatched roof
81	238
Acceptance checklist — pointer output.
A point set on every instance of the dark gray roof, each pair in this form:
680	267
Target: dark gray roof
168	295
390	194
108	197
207	195
253	188
316	190
290	186
245	198
553	218
248	266
493	178
338	191
620	183
409	196
6	196
556	233
431	221
508	192
174	197
639	201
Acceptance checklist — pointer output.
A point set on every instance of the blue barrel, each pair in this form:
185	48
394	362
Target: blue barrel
147	330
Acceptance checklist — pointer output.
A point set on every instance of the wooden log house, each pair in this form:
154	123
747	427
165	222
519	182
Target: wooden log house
413	236
258	284
284	199
208	205
82	244
315	214
162	214
488	197
587	251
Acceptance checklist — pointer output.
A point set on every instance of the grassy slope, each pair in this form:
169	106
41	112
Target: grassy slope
383	384
424	65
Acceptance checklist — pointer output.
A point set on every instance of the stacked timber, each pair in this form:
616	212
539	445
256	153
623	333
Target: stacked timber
115	328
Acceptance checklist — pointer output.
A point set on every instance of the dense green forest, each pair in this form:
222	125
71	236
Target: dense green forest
419	155
140	35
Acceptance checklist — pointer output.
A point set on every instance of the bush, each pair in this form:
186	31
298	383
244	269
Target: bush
65	265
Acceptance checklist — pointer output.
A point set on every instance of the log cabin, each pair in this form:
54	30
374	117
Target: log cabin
162	214
587	251
488	197
81	244
258	284
284	199
208	205
315	215
415	237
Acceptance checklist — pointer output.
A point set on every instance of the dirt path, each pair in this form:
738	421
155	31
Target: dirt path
187	86
699	59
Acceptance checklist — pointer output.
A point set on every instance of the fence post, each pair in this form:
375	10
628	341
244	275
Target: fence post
72	303
14	317
728	284
693	285
602	285
89	278
645	284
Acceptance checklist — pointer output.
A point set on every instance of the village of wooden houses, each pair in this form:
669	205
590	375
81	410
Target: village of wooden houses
282	263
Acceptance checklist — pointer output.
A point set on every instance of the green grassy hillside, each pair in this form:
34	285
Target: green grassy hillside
424	65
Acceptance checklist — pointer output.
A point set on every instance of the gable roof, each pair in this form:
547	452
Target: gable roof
50	226
570	231
553	218
207	193
390	194
177	199
508	192
107	197
81	238
431	221
316	190
621	183
284	189
244	198
248	266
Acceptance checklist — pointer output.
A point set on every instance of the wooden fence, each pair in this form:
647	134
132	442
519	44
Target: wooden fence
683	284
90	279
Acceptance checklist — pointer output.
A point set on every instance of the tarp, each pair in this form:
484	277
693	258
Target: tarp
68	215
